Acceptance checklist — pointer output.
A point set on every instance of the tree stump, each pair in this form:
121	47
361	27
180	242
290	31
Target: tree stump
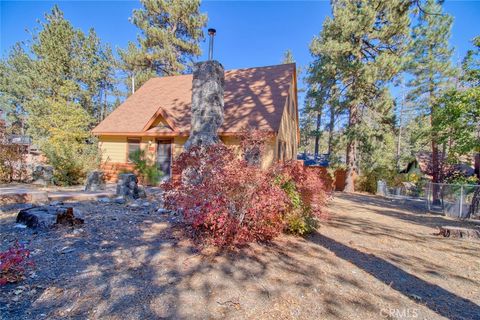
48	216
458	232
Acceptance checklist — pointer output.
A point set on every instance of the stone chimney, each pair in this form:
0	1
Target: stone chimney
207	103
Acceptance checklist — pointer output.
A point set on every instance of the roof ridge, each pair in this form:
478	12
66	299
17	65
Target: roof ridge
229	70
269	66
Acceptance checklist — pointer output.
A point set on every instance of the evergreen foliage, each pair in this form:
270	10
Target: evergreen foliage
359	51
457	118
430	66
169	39
288	57
58	91
148	171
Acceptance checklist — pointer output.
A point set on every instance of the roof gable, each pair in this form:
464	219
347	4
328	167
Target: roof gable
254	97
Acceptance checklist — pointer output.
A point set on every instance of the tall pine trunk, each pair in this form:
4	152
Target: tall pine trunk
477	153
352	169
330	128
436	175
317	132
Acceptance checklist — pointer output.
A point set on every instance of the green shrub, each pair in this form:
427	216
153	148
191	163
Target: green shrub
367	180
148	172
458	178
72	161
292	193
300	223
307	196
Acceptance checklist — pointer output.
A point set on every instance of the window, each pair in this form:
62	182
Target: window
133	144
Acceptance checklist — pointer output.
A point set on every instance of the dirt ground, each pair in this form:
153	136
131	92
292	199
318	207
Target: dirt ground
372	259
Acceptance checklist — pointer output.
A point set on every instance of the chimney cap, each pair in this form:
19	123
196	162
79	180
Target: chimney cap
212	31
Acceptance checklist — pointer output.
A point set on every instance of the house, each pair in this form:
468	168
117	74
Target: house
156	118
422	165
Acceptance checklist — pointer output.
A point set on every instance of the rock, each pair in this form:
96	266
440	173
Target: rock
142	193
77	231
207	103
119	200
132	185
65	250
121	190
104	200
133	193
127	187
42	174
56	203
95	181
48	216
163	211
78	214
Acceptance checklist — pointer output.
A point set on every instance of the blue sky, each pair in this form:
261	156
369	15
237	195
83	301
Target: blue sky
249	33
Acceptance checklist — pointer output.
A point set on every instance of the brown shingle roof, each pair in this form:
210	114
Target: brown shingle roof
254	97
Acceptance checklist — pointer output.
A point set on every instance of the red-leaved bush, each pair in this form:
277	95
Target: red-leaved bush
229	200
13	264
225	200
308	183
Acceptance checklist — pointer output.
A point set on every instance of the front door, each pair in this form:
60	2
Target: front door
164	156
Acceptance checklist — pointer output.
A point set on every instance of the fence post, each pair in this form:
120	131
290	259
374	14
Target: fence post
461	201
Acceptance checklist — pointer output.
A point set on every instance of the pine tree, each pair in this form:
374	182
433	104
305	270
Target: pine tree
471	76
16	87
288	57
97	75
169	40
431	69
60	86
457	113
307	127
322	93
363	44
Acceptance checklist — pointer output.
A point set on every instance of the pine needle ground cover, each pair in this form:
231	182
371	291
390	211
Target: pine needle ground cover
371	258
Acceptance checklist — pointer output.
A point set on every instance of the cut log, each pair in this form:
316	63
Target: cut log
68	218
458	232
48	216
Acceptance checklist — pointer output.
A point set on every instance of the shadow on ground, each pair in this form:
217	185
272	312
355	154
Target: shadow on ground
404	210
135	264
434	297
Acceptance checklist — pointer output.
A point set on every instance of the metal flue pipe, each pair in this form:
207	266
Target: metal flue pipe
211	33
